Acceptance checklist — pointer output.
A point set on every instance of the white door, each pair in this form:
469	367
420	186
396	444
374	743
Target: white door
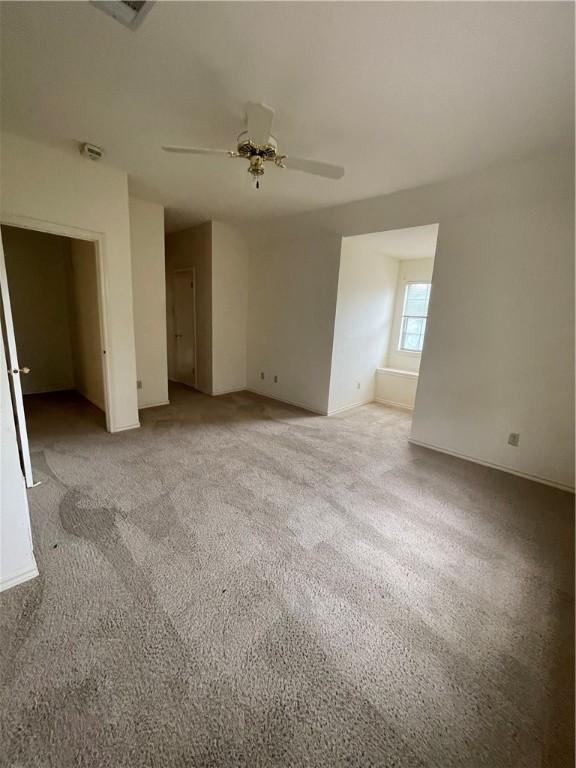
14	371
185	327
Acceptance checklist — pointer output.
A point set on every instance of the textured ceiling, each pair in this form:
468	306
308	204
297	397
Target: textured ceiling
401	94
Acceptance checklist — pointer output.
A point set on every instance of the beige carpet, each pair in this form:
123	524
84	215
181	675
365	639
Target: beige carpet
240	583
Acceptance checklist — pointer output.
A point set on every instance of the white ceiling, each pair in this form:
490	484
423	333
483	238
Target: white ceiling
409	243
402	94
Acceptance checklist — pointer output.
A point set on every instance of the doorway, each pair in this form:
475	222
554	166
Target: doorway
184	324
52	322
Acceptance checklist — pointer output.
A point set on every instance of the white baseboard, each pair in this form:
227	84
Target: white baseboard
392	404
288	402
492	465
218	392
349	407
154	405
25	574
125	429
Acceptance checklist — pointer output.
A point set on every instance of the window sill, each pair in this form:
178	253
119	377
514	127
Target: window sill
397	372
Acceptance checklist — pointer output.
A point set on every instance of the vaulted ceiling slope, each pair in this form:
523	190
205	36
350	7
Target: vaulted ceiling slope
401	94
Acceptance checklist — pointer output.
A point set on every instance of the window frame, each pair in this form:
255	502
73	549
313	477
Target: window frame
404	316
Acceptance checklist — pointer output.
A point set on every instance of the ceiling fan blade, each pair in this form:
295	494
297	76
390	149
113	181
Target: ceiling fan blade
196	151
259	122
327	170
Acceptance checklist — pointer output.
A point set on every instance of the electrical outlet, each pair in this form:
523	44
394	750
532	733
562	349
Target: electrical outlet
138	384
357	385
275	379
514	438
261	374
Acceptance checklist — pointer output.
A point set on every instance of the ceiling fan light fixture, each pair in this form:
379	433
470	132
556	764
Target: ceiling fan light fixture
256	169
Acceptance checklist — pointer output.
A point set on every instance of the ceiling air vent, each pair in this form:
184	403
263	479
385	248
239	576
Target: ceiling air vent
130	13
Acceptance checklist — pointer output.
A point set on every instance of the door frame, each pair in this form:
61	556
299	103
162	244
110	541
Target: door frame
99	240
13	370
175	272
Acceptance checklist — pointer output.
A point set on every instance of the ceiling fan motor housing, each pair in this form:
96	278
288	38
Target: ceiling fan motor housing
248	148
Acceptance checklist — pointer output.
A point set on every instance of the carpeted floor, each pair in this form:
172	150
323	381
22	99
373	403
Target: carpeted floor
241	583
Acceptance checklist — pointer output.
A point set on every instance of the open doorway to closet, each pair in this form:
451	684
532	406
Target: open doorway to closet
52	323
384	290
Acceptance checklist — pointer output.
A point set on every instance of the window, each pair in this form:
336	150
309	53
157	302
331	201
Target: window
414	317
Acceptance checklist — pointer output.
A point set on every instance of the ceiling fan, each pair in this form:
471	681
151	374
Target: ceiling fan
258	146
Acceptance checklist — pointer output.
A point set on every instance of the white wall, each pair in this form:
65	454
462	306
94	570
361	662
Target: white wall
149	293
229	308
86	336
292	303
366	296
17	561
53	187
499	353
409	271
38	268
